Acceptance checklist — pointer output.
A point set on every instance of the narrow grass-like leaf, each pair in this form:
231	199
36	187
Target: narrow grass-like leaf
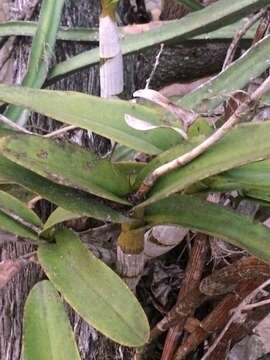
221	13
80	34
98	295
67	164
70	199
244	144
103	116
29	28
248	67
47	334
41	52
199	215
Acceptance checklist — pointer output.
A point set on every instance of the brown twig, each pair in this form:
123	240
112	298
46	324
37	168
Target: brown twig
237	314
217	319
237	331
263	27
191	280
226	279
251	20
154	67
242	111
179	313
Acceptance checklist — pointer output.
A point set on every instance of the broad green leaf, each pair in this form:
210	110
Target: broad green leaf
29	28
9	224
59	216
248	67
17	191
10	204
103	116
199	215
221	13
47	334
67	164
41	52
98	295
70	199
260	196
131	169
244	144
251	176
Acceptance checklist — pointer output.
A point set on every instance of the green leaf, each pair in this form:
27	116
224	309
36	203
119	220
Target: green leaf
10	204
251	176
47	334
70	199
17	191
249	66
80	34
193	5
59	216
12	226
221	13
260	196
41	52
98	295
67	164
103	116
29	28
123	153
199	215
244	144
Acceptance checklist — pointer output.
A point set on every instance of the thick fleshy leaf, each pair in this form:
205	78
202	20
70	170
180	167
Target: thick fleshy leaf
260	196
59	216
47	334
248	67
103	116
252	176
70	199
208	218
131	169
9	224
221	13
98	295
244	144
10	204
67	164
